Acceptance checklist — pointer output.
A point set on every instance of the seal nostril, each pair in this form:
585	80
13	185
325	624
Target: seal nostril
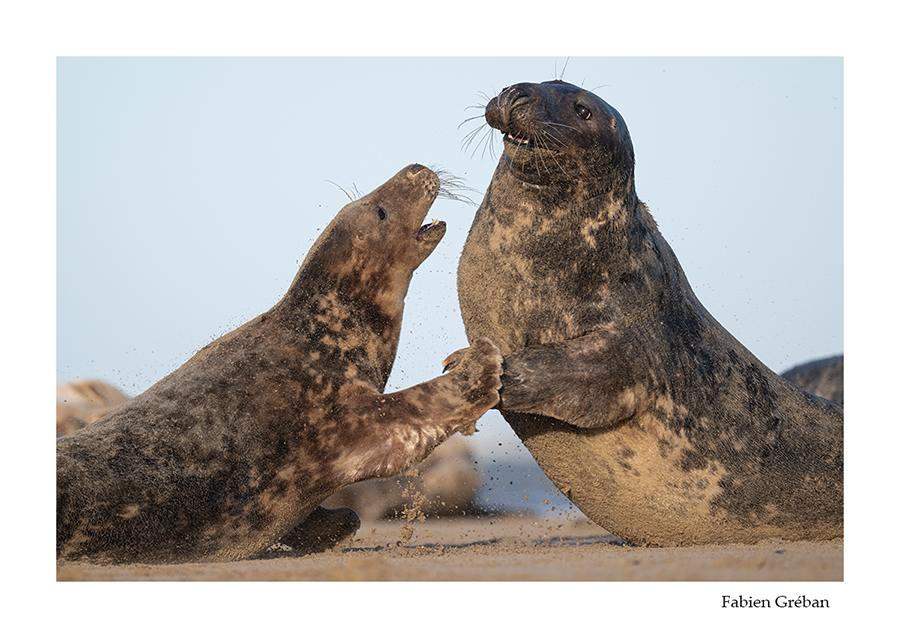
518	97
499	110
513	96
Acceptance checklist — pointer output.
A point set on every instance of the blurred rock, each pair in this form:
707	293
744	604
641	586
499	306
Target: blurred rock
80	403
823	377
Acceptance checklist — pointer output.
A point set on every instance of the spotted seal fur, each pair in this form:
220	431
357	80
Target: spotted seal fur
641	408
236	449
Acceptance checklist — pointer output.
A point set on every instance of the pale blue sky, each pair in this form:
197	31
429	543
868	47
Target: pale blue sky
189	190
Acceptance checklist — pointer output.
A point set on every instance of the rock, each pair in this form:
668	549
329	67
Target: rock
80	403
444	484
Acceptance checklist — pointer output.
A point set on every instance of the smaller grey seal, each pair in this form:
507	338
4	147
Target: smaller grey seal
632	398
822	377
236	449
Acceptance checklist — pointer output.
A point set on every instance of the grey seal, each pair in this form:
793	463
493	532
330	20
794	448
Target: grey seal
238	447
822	377
641	408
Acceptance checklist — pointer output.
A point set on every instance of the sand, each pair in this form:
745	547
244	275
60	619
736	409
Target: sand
545	570
510	547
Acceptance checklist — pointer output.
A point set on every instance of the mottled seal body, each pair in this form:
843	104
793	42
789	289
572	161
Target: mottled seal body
632	398
235	449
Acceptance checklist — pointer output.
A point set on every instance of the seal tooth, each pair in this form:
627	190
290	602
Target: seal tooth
426	227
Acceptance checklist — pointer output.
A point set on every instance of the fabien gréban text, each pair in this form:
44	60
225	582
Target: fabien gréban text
782	602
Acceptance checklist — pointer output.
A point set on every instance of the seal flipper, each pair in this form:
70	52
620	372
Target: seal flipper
550	378
323	529
398	430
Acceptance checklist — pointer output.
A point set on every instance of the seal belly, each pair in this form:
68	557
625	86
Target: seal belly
633	481
622	478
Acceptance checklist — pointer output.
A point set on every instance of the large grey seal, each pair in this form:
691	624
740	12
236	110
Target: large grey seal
637	404
235	449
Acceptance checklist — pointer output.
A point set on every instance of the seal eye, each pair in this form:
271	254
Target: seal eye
381	214
583	112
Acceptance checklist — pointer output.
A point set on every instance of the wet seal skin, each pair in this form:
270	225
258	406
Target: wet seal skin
637	404
236	449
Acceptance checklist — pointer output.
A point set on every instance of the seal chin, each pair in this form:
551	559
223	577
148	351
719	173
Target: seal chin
435	227
430	235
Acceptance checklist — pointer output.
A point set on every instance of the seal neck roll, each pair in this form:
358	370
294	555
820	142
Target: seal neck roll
609	204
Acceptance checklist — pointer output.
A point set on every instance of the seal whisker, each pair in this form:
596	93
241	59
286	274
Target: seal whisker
519	145
469	137
541	144
541	149
563	144
487	139
485	98
556	139
558	125
451	183
469	119
561	73
349	196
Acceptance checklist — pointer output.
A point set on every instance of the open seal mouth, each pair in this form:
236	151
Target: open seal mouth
516	139
430	229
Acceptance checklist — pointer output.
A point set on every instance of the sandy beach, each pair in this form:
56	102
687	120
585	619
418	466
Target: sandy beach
510	547
518	528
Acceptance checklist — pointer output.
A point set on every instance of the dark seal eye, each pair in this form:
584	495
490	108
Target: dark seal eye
381	214
583	112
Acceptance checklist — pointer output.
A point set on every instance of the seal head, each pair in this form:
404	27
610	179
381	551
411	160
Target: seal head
547	128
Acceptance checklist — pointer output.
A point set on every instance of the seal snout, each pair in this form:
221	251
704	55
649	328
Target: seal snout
499	110
423	175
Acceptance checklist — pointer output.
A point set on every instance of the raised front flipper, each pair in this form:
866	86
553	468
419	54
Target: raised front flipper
582	381
400	429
